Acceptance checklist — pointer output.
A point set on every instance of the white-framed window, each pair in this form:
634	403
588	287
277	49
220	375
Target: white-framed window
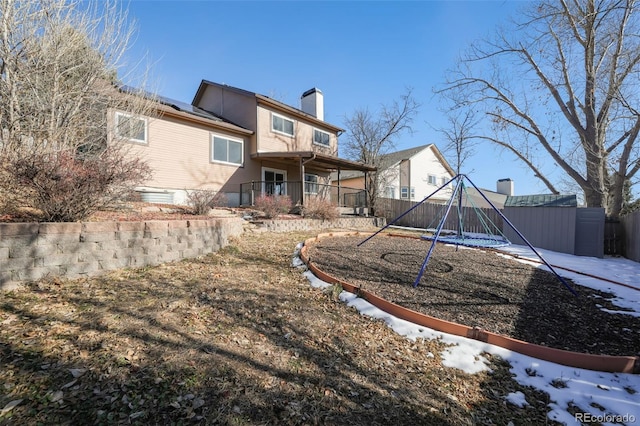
391	192
226	150
131	127
406	192
310	183
443	180
281	124
321	138
433	180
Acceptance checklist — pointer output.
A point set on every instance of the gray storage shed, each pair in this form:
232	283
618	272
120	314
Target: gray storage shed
555	222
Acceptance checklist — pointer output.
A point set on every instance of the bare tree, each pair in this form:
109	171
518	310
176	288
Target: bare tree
371	135
561	88
459	135
59	149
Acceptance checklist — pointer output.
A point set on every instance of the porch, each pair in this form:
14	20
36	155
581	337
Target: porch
309	167
299	192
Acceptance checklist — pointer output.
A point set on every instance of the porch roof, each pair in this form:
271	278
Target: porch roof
317	159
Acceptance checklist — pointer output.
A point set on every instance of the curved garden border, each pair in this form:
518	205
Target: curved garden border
605	363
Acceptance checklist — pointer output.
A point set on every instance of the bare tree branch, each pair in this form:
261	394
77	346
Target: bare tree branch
58	94
583	56
370	136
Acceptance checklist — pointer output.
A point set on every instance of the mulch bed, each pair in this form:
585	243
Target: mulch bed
482	289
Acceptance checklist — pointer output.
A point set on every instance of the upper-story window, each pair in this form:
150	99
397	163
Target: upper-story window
225	150
321	138
281	125
433	180
131	127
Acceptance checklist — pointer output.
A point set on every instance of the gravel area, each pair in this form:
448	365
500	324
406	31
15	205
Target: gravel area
482	289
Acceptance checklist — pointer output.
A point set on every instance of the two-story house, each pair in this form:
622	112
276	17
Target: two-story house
241	143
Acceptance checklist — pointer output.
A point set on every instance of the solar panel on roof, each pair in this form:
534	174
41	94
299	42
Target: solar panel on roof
188	108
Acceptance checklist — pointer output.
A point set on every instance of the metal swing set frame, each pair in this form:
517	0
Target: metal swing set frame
462	239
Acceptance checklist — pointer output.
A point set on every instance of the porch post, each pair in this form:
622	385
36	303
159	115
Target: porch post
339	183
301	181
366	193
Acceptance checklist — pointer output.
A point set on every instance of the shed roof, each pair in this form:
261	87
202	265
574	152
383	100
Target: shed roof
542	200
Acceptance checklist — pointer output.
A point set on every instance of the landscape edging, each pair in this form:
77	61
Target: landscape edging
605	363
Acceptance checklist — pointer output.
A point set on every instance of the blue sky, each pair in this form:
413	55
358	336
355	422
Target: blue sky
360	54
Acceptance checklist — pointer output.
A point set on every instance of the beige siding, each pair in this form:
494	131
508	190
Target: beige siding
179	155
302	140
239	108
357	182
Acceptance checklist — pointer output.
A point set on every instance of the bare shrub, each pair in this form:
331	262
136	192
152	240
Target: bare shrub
62	149
202	200
66	187
320	208
273	205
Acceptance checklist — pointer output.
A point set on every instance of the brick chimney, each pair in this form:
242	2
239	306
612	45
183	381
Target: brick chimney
312	102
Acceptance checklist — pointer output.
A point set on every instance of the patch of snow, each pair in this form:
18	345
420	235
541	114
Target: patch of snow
517	398
566	386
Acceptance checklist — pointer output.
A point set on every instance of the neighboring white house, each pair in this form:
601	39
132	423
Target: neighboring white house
410	174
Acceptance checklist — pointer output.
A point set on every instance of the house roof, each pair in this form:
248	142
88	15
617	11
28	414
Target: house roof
186	111
388	160
542	200
192	113
266	100
496	198
317	159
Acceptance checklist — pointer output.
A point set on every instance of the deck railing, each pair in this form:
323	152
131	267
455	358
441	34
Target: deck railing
341	196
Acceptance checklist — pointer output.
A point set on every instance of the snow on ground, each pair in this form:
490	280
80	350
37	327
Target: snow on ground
617	393
616	269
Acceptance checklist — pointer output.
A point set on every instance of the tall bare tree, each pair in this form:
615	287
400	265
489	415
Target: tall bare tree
371	135
59	149
562	85
459	136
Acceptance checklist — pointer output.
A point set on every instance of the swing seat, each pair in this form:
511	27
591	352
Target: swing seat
470	241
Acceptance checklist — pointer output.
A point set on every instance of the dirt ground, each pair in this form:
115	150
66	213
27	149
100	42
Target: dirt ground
482	289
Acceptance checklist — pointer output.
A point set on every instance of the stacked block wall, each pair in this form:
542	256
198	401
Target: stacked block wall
31	251
317	224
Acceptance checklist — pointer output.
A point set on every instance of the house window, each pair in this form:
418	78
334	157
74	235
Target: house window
132	128
281	125
391	192
310	184
406	192
320	137
443	180
433	180
224	150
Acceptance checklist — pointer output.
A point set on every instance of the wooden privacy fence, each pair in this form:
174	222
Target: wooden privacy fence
428	215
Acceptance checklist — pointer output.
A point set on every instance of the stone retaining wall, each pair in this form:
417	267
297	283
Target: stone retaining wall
31	251
276	225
